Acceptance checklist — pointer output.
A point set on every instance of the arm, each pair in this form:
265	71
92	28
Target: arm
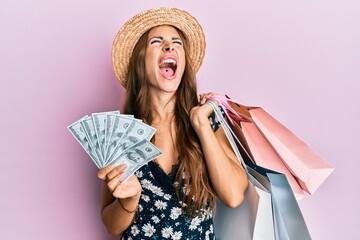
226	173
119	200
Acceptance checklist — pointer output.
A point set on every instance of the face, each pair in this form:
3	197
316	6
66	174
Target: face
135	157
164	59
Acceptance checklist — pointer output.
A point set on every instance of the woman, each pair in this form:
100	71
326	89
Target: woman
155	57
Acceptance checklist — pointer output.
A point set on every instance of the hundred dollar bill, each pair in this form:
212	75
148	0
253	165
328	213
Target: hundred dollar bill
99	120
136	156
90	132
119	127
135	132
78	132
110	123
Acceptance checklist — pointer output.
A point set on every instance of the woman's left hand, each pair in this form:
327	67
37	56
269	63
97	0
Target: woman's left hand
199	115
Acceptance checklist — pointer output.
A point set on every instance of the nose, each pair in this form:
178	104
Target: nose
168	47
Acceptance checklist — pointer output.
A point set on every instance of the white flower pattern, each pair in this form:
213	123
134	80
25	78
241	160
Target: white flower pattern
160	204
155	219
148	229
177	235
157	190
145	197
134	230
167	196
166	232
139	174
194	223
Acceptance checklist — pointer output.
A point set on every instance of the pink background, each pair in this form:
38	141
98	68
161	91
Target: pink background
297	59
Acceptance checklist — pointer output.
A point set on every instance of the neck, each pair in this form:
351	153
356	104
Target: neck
163	106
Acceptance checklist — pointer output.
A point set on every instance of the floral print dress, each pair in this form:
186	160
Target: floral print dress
160	214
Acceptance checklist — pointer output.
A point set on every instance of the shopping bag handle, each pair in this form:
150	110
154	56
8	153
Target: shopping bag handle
230	134
229	110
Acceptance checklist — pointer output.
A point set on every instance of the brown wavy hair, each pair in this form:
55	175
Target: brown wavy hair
194	189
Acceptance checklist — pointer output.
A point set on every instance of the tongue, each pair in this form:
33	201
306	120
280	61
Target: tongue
167	71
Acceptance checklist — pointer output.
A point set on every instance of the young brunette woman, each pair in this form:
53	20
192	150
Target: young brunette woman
155	56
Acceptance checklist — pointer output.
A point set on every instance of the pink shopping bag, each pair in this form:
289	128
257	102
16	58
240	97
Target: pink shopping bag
275	147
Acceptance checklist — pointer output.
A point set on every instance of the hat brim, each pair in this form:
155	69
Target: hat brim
134	28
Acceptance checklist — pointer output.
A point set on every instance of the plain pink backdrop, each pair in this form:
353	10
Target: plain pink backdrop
300	60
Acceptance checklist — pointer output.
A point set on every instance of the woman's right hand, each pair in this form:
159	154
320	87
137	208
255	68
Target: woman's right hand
120	200
112	177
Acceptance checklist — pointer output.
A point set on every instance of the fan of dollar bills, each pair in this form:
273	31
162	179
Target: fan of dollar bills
114	138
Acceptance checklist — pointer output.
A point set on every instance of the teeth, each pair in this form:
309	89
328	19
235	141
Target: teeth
169	60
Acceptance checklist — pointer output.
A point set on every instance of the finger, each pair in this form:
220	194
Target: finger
202	97
115	182
128	189
205	97
114	172
104	171
210	97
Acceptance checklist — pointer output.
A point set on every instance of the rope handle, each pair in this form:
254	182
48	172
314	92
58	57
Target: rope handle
231	136
223	102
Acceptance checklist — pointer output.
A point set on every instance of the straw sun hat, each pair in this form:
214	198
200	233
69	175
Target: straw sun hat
134	28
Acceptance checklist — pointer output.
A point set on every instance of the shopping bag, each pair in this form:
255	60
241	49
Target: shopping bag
289	223
252	220
237	223
256	210
309	168
285	221
256	145
264	226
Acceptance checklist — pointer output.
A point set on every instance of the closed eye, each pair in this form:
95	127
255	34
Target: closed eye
160	40
178	42
156	40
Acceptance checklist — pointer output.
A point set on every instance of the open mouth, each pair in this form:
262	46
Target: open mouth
168	67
